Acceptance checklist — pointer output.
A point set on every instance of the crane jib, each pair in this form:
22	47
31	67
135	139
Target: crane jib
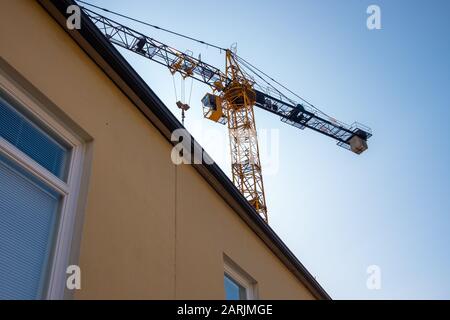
298	116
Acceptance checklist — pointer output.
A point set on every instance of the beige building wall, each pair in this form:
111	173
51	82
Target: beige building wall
151	230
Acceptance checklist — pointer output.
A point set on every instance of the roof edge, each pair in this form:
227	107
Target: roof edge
114	65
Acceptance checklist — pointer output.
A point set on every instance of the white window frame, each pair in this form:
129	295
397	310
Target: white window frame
237	274
55	283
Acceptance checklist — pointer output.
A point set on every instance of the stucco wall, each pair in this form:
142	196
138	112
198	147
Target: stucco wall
151	230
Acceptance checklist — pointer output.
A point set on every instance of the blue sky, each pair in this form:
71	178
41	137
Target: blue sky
338	212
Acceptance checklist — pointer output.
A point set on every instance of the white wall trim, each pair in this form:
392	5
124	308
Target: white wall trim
233	270
54	287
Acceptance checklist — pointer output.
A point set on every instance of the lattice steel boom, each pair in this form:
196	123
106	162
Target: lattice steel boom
238	101
232	101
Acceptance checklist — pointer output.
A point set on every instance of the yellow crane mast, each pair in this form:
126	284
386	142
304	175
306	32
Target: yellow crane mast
239	99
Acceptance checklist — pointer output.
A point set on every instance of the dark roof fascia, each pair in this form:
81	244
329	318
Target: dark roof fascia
109	59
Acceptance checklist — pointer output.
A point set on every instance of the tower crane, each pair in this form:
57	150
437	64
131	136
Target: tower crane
234	94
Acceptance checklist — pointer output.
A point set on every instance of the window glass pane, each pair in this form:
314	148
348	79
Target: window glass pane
33	141
233	290
28	215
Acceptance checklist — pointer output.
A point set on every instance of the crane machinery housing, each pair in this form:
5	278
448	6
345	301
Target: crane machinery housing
234	94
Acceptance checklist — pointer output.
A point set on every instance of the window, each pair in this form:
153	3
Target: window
233	290
237	283
33	141
28	213
40	164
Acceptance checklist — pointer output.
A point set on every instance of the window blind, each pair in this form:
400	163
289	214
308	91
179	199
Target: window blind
28	215
18	130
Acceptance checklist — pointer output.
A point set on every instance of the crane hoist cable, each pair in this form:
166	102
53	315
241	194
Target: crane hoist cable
152	25
252	68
